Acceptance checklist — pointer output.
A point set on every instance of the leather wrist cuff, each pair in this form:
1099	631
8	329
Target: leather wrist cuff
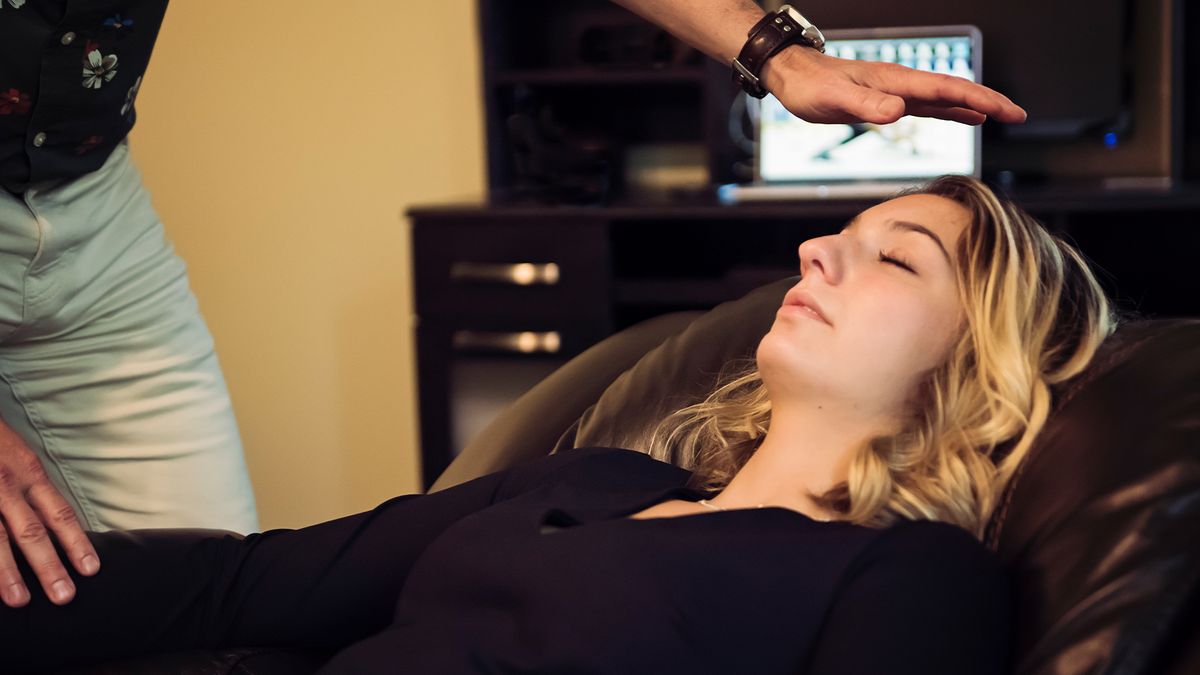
772	33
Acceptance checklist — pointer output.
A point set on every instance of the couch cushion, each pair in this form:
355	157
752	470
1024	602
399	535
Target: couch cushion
1099	527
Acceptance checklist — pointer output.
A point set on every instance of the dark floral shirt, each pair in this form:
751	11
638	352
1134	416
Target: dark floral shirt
69	73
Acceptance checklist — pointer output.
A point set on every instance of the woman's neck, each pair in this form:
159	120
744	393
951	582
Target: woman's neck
806	449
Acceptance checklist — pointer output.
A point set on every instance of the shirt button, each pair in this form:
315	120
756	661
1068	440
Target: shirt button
68	38
39	139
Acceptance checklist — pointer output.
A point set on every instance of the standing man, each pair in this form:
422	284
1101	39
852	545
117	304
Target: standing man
113	409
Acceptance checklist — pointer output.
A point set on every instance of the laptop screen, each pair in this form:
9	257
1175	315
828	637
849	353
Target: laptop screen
792	150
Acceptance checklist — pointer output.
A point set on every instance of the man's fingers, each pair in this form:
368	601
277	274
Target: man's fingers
940	88
941	112
31	536
13	591
25	487
60	517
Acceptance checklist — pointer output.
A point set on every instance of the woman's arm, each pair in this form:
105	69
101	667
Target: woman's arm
924	599
320	586
821	88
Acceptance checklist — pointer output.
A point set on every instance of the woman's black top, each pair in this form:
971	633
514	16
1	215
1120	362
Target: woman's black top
536	569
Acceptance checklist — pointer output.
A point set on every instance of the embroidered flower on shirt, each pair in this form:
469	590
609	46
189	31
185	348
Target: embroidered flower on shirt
99	69
14	3
89	144
118	22
129	97
13	101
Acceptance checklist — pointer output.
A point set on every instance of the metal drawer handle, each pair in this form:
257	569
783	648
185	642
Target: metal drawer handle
512	274
521	342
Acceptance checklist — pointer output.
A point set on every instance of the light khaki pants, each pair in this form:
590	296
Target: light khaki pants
107	369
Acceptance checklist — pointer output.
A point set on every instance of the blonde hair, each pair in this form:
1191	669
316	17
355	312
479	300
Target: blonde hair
1035	316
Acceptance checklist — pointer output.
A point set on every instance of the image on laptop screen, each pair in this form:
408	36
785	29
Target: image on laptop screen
792	150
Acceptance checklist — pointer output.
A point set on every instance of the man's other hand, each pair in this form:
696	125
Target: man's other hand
32	508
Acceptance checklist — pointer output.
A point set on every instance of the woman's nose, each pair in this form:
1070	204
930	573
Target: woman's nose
817	256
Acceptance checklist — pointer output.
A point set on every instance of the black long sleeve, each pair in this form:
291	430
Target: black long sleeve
321	586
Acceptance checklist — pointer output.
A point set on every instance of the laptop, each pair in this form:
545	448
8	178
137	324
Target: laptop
795	159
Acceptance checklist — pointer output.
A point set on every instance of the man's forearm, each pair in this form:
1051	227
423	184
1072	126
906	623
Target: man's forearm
716	27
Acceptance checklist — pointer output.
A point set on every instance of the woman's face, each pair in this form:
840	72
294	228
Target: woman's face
876	307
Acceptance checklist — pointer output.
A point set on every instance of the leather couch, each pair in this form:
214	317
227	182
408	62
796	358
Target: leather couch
1099	529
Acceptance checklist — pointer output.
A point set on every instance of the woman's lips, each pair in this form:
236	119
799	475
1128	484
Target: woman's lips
801	310
802	302
806	311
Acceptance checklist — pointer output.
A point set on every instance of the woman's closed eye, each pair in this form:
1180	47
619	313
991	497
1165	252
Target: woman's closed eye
898	262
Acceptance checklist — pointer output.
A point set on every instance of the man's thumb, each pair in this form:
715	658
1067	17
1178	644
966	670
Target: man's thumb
877	107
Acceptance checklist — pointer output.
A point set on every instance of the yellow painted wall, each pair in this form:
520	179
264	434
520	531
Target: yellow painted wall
281	142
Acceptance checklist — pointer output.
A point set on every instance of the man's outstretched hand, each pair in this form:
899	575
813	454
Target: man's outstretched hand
825	89
820	88
32	508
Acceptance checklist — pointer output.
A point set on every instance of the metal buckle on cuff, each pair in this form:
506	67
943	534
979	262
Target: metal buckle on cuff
816	39
748	80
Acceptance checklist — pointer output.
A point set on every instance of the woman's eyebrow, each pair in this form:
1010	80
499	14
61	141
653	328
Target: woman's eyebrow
916	227
911	227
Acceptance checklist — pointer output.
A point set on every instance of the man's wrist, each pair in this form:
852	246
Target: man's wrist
775	72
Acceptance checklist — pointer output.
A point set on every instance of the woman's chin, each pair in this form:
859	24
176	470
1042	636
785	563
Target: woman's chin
783	359
787	339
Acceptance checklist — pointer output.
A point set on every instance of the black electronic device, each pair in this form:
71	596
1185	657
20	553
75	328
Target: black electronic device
1067	62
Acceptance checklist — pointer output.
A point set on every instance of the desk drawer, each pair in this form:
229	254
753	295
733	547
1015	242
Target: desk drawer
511	270
519	338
